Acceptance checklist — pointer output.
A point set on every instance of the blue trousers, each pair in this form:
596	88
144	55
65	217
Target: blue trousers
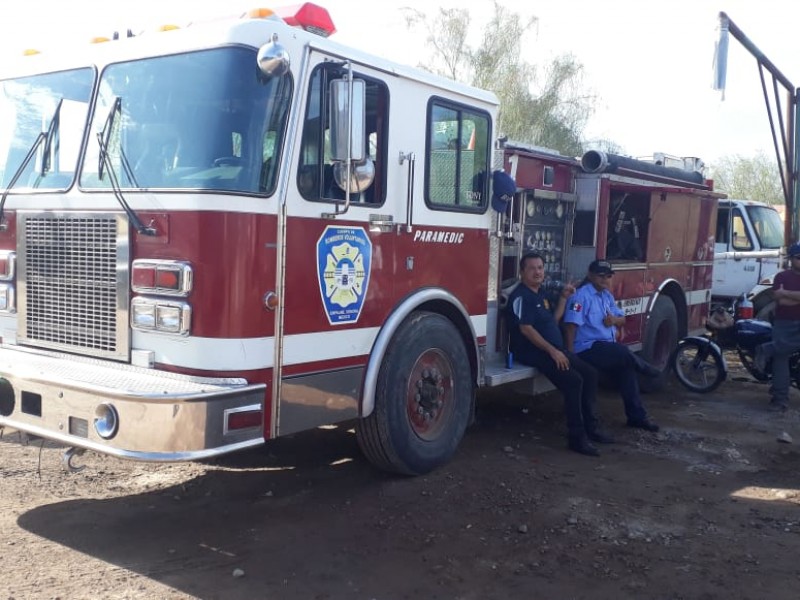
786	340
578	385
617	361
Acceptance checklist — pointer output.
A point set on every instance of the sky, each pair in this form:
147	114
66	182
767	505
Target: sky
647	63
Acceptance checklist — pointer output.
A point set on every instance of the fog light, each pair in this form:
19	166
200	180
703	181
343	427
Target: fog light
106	421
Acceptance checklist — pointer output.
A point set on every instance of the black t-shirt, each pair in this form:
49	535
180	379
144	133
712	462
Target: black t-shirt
526	307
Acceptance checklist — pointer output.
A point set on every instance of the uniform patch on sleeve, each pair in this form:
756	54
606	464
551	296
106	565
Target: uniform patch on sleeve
576	307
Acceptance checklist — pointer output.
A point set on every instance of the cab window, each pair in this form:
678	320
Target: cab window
457	157
315	174
741	239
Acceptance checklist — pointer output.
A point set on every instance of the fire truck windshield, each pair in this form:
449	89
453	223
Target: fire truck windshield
55	106
205	120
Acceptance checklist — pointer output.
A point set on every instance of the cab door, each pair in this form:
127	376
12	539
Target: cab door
338	251
736	268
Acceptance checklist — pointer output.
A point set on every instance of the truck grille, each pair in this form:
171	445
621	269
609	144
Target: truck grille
73	282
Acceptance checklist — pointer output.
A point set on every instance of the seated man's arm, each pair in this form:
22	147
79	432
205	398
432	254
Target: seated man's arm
535	338
616	316
567	291
569	335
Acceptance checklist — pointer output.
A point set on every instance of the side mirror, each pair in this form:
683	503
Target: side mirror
342	128
273	59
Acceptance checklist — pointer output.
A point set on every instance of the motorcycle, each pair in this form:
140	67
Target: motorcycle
699	362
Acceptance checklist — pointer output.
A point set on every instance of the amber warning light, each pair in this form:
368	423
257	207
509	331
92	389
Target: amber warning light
308	16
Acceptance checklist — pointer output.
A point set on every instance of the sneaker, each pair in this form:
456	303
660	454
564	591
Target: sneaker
645	424
599	437
582	446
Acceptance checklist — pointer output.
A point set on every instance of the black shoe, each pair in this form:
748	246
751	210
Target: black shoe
582	446
600	437
645	424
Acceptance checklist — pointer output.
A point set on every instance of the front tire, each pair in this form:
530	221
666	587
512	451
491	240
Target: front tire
660	340
423	398
698	365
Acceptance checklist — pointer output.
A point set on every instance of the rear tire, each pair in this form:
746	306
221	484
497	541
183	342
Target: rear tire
698	366
423	398
660	340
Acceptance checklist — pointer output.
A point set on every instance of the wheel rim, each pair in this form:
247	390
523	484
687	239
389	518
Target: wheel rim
696	368
429	397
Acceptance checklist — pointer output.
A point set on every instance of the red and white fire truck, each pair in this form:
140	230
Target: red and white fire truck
215	235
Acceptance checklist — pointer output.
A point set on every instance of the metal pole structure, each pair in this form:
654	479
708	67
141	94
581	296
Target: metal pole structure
787	156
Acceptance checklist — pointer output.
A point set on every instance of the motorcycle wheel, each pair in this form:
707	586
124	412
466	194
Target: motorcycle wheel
698	365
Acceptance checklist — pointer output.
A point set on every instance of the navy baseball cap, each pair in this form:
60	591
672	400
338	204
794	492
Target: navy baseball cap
601	267
794	250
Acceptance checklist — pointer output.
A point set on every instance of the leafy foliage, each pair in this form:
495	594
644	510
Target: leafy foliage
748	178
543	105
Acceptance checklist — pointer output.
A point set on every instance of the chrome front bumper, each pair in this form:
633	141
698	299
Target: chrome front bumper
162	416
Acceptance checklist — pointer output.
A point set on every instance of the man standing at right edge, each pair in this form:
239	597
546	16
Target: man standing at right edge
785	330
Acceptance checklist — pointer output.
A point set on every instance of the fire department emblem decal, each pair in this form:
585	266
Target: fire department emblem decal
344	260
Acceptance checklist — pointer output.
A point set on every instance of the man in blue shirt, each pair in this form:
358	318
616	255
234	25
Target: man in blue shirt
536	341
591	319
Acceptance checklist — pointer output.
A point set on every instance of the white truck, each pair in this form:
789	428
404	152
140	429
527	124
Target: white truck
747	254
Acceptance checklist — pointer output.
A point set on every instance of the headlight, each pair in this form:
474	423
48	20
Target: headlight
161	315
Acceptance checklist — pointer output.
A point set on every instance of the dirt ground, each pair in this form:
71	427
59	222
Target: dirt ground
705	509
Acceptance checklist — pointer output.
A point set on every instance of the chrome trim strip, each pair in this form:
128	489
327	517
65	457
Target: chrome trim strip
280	240
184	456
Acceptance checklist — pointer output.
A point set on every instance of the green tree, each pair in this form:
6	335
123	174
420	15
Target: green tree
539	104
748	178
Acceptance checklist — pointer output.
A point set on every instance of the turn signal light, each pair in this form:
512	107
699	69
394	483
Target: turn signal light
164	277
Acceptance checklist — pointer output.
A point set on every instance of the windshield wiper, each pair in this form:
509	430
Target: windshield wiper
55	123
103	137
43	136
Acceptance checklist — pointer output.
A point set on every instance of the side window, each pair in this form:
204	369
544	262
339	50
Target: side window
741	239
627	225
315	179
722	226
457	158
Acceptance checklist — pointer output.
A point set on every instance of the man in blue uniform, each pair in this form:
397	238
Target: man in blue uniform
536	341
591	319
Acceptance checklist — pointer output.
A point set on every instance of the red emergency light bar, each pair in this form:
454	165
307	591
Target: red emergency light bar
308	16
